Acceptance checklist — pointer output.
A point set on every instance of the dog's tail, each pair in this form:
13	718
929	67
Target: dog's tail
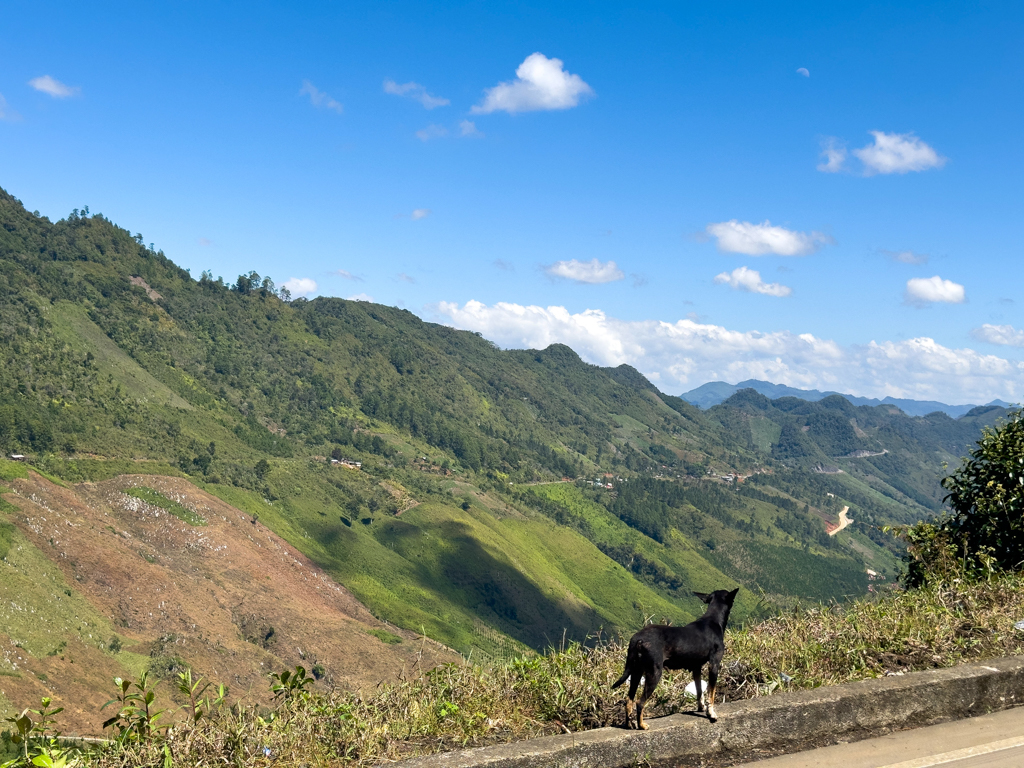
621	680
632	658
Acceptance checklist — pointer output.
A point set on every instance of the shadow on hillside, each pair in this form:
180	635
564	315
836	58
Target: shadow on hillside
503	597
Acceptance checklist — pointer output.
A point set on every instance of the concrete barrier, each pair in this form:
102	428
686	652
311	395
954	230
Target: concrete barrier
754	728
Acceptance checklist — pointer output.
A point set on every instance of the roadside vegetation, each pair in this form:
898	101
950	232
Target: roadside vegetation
940	624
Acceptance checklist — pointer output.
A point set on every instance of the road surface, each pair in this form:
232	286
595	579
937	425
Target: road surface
843	522
989	741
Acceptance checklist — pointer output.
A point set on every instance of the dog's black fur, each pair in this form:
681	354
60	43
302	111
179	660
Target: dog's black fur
691	647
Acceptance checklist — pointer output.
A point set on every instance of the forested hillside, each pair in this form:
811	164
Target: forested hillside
113	360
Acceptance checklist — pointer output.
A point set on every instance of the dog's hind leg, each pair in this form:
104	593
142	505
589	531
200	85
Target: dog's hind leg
634	683
651	679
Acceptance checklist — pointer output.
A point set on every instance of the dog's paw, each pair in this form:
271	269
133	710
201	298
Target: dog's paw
711	714
644	726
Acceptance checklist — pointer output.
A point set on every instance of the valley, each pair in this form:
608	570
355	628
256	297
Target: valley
207	461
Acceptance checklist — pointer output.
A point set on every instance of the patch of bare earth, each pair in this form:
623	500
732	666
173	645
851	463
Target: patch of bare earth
230	599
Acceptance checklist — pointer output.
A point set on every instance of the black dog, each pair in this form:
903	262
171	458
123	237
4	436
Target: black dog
691	647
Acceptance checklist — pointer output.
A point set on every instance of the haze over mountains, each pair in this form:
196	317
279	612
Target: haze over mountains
504	498
715	392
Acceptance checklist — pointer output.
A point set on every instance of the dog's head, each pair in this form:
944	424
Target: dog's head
719	595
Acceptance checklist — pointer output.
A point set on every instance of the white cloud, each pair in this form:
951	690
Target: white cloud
743	279
344	273
1005	335
760	239
419	213
432	131
928	290
416	92
361	297
541	83
319	99
300	286
897	153
803	71
592	271
5	113
834	153
687	353
52	87
468	128
907	257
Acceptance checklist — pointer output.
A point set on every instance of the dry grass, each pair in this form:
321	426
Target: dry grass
567	690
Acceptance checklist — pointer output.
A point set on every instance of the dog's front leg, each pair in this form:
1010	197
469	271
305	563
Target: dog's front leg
696	683
712	684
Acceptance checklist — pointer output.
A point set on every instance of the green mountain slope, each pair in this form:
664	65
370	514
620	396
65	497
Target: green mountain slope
114	360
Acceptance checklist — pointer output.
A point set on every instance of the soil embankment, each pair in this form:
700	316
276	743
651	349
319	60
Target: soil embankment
229	598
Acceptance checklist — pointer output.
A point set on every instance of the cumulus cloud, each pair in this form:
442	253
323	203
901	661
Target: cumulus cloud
759	239
432	131
541	84
907	257
300	286
52	87
804	71
419	213
930	290
592	271
416	92
1005	335
361	297
467	128
686	353
319	99
833	153
743	279
344	273
897	153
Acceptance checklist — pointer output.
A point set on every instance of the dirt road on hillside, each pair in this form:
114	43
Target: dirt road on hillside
843	522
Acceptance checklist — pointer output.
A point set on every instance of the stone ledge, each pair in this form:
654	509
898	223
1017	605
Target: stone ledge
754	728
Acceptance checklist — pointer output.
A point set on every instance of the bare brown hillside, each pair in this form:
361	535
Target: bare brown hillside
230	599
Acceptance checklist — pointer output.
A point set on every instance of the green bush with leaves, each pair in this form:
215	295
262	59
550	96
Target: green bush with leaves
984	530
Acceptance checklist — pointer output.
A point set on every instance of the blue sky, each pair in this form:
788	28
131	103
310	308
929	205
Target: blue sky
658	185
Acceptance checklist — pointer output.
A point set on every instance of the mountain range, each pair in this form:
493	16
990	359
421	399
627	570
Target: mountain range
489	500
715	392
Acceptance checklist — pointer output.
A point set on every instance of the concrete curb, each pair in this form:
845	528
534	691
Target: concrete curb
785	722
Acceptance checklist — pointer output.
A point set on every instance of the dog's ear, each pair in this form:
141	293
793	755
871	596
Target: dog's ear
732	595
704	596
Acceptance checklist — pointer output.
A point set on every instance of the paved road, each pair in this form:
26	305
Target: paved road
989	741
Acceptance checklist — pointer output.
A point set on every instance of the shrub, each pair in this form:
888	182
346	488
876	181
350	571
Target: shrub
984	529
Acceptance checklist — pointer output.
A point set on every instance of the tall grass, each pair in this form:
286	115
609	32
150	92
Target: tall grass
567	689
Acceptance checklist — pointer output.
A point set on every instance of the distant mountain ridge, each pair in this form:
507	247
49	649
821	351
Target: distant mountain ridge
715	392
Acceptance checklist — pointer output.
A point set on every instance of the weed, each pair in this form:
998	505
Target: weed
384	636
157	499
136	718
